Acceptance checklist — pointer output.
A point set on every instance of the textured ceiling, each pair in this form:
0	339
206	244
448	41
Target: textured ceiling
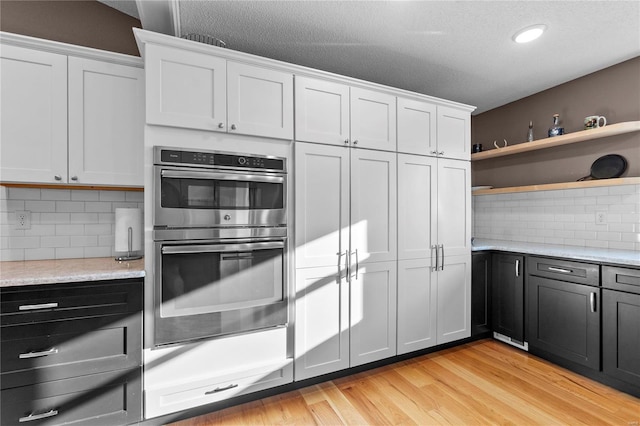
458	50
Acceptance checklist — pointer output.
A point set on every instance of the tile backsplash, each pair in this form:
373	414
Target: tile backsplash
65	223
603	217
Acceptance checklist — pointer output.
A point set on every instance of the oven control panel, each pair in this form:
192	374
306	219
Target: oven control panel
217	159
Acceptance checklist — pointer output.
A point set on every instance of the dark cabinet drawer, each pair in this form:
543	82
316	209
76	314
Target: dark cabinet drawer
60	301
564	270
623	279
100	399
56	350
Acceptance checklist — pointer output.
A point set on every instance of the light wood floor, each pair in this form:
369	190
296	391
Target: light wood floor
480	383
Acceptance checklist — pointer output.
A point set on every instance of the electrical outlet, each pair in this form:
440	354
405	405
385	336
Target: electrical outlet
23	220
601	218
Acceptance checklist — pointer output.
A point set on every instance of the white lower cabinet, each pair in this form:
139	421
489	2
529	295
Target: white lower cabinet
454	299
181	377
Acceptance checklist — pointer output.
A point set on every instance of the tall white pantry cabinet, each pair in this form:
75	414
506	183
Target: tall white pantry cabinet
370	221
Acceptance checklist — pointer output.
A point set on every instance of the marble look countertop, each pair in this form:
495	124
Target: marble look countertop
599	255
32	272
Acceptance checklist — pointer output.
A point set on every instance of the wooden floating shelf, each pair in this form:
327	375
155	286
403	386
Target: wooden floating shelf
561	185
581	136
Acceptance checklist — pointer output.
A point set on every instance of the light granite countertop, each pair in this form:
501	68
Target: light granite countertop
32	272
599	255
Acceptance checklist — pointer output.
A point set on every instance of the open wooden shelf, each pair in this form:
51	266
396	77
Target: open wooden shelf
561	185
581	136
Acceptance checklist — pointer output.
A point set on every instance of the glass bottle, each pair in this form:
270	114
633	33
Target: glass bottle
556	130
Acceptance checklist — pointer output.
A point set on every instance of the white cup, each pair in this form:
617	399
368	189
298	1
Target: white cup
593	121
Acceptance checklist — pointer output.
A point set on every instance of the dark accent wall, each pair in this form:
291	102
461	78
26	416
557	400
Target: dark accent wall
613	92
85	23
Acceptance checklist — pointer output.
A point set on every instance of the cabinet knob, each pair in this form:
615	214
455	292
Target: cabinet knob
355	142
57	177
74	178
433	152
220	125
441	153
346	141
233	127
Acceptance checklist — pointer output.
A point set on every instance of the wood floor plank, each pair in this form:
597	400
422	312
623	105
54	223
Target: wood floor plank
479	383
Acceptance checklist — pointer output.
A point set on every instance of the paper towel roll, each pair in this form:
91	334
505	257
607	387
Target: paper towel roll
125	219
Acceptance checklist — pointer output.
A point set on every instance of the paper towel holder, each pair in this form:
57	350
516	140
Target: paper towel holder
130	254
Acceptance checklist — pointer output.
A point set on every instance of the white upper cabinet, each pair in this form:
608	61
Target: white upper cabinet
322	111
454	133
70	119
416	127
454	207
373	119
34	116
106	123
200	91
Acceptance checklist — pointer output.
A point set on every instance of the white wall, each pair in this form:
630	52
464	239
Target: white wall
65	223
565	217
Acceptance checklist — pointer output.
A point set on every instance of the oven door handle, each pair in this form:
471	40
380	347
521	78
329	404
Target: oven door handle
218	248
184	174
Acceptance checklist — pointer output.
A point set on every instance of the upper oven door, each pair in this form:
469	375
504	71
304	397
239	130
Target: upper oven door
188	197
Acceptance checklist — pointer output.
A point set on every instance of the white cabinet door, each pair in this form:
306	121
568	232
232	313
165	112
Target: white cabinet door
417	206
373	312
454	299
454	133
417	305
373	119
322	322
185	89
373	206
416	127
106	123
321	204
454	206
34	116
260	101
322	111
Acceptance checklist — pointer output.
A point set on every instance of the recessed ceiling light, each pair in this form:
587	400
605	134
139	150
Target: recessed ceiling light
528	34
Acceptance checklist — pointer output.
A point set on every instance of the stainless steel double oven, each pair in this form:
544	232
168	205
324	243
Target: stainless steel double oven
220	242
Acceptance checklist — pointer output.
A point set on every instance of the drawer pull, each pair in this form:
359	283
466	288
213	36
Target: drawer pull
38	354
564	271
39	306
32	416
231	386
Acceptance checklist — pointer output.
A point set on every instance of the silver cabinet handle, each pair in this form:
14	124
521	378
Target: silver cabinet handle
442	254
592	302
38	354
561	270
233	127
32	417
357	263
517	267
39	306
220	125
346	255
57	177
216	390
434	248
74	178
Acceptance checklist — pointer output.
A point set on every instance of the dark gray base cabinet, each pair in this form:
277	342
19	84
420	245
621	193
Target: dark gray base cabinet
480	293
508	295
71	353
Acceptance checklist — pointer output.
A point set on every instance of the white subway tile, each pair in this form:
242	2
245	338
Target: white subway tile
84	241
97	252
632	238
553	240
106	240
622	227
55	194
106	218
70	206
574	242
623	208
55	241
609	236
112	196
39	253
85	195
597	191
619	245
124	205
40	230
40	206
10	255
54	218
97	229
98	206
24	193
69	253
83	218
69	229
624	189
597	244
134	196
21	242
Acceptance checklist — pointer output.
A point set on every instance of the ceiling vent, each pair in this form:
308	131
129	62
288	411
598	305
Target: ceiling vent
206	39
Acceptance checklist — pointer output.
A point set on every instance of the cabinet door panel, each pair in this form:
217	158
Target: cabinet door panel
373	205
185	89
373	119
417	202
454	133
321	204
373	312
106	125
454	299
417	305
34	116
454	206
260	101
322	322
508	295
322	111
552	303
416	127
621	335
480	293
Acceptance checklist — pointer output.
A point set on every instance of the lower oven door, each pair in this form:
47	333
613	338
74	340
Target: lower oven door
207	289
